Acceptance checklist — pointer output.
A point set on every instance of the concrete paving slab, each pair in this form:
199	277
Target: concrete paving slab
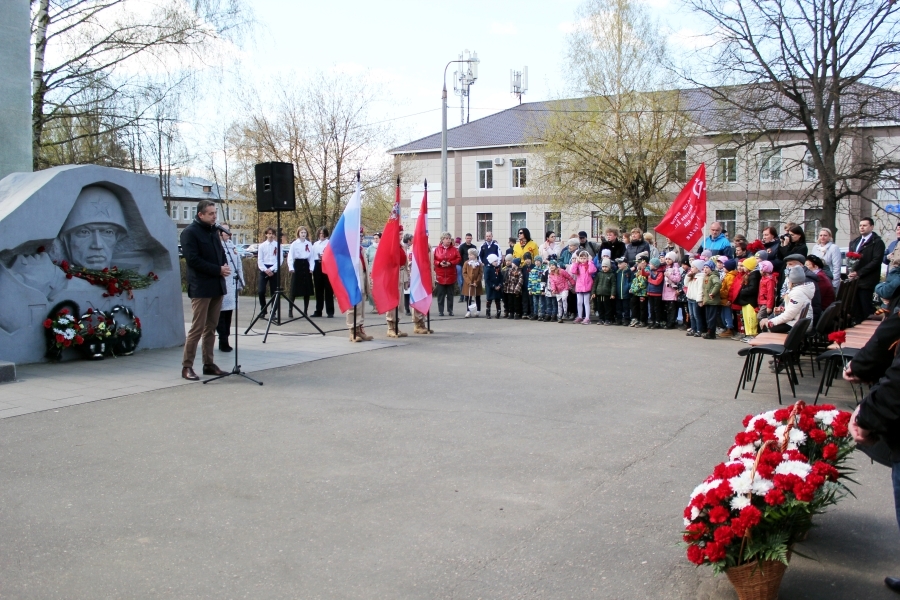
493	459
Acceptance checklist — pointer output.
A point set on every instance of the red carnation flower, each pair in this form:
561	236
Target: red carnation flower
68	276
838	337
694	532
854	255
137	322
747	420
90	311
67	343
839	429
64	265
830	451
48	323
782	414
714	551
106	269
79	340
818	436
60	338
723	534
718	514
751	515
774	497
695	554
64	311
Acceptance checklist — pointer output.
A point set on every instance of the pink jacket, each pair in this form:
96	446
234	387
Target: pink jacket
672	283
582	273
559	282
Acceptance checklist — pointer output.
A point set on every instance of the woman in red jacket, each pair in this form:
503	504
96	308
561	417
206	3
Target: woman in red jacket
446	257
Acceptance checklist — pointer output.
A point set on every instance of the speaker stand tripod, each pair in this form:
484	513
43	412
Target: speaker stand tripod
236	370
273	306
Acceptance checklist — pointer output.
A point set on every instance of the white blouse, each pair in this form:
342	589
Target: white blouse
267	255
319	248
301	250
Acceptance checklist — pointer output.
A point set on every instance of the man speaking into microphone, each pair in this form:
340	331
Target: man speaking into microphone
206	273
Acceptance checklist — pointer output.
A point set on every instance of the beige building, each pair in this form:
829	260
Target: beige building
750	186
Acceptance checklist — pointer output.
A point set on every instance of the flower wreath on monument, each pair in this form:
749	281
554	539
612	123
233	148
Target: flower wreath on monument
784	468
94	333
116	281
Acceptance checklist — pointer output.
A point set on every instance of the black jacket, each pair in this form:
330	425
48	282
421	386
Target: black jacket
879	411
204	256
793	248
635	248
464	252
869	266
749	292
616	248
486	250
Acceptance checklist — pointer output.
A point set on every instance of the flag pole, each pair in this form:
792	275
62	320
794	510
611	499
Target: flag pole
354	321
397	320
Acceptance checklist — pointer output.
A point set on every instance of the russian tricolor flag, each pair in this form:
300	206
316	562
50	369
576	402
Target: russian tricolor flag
340	261
420	281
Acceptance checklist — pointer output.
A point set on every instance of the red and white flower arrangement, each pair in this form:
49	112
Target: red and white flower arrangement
785	467
62	330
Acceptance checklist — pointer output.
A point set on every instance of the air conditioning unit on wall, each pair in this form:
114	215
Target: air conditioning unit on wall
498	162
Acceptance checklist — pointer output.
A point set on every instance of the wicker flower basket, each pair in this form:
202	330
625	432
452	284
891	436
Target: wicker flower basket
757	580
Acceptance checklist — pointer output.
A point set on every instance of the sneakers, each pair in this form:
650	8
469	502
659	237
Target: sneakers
577	320
726	333
633	323
640	324
690	333
560	320
468	314
586	322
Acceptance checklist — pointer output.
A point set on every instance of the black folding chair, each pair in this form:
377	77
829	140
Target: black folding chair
817	337
785	356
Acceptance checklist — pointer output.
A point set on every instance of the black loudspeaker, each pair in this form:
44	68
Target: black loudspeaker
275	187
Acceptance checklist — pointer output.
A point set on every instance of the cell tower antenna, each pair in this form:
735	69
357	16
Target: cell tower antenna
518	82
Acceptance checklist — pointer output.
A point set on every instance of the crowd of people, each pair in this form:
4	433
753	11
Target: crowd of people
725	288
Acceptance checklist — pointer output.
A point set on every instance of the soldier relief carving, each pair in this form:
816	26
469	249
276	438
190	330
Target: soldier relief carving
108	251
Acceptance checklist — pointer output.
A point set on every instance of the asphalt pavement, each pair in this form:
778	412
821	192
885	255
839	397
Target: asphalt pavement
493	459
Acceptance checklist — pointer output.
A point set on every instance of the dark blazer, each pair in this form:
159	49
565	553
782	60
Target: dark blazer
878	362
204	256
616	248
869	266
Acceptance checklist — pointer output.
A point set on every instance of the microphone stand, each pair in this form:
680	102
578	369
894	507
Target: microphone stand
237	368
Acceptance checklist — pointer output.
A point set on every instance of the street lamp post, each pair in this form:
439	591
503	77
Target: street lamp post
472	63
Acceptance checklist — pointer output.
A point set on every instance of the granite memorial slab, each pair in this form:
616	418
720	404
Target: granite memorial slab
84	219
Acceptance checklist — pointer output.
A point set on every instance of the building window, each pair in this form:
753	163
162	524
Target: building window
516	222
553	222
207	189
484	222
810	172
174	211
769	217
726	165
728	220
812	222
678	167
193	212
518	172
596	224
770	165
185	212
485	175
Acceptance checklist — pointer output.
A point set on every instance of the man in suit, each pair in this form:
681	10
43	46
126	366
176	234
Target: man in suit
867	270
206	273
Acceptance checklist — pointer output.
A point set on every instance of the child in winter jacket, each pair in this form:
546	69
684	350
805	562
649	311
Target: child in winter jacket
655	282
693	283
559	281
583	270
671	285
766	299
537	278
504	269
604	286
724	294
526	266
493	281
512	289
711	299
622	293
639	294
473	275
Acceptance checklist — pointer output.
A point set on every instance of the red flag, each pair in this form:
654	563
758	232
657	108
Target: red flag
389	257
684	222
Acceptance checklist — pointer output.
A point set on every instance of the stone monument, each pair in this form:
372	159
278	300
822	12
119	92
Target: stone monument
15	86
92	217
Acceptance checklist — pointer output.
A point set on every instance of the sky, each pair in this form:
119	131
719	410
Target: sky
405	44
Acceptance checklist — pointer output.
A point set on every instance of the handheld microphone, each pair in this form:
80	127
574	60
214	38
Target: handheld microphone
222	229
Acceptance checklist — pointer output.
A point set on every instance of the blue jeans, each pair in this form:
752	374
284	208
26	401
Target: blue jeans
537	305
459	276
727	317
549	305
712	314
895	477
698	322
